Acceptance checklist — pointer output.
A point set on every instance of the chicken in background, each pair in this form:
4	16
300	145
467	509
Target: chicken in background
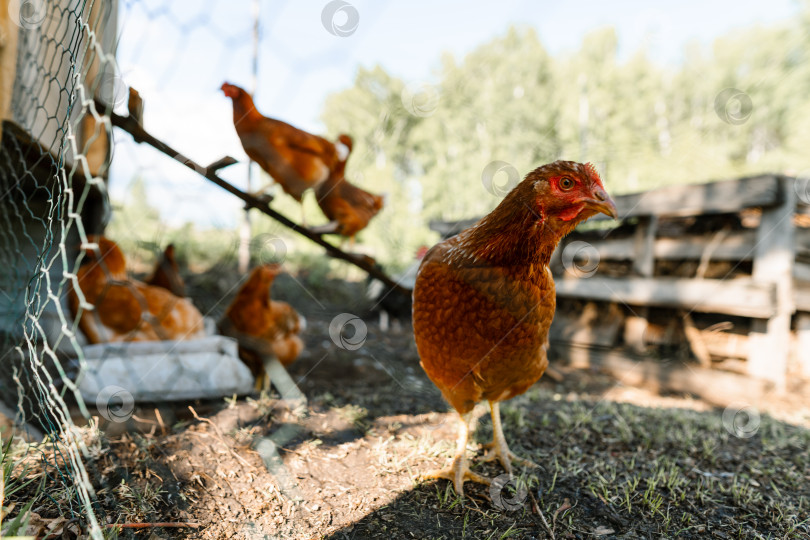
167	273
484	299
297	160
348	207
124	309
262	326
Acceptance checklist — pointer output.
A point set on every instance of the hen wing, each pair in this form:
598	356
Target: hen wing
295	159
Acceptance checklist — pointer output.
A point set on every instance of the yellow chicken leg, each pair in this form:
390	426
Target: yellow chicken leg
460	469
499	448
262	382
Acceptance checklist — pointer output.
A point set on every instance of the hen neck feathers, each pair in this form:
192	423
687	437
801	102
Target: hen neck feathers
514	235
244	112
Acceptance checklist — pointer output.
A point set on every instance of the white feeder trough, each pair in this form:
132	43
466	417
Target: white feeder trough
166	370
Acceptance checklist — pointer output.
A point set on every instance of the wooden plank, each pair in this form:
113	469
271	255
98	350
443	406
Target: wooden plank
717	387
801	272
720	197
644	242
742	297
738	246
595	324
802	297
773	264
726	344
635	328
803	343
696	343
718	343
94	140
9	34
803	241
612	249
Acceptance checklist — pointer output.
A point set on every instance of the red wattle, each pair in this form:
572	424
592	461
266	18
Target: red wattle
571	212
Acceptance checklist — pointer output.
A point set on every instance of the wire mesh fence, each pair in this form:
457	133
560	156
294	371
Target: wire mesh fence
54	159
59	62
66	176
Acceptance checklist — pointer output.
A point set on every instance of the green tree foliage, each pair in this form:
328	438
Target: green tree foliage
426	145
644	125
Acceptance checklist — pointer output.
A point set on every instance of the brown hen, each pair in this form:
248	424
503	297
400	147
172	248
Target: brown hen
263	327
484	299
124	309
297	160
349	207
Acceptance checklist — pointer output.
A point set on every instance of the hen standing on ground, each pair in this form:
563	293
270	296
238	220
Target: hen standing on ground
263	327
297	160
349	207
484	299
125	309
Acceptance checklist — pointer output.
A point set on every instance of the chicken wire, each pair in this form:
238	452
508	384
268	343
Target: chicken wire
53	162
56	59
60	155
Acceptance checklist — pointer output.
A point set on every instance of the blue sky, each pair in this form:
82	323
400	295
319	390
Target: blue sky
178	53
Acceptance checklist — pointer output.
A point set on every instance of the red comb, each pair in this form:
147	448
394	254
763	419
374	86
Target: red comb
593	173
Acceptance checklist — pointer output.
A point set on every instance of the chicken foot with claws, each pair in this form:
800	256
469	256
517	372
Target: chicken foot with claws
459	471
498	447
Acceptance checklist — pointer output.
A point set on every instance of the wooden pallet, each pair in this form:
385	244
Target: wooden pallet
774	296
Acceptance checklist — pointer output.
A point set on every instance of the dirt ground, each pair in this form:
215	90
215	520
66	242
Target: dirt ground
615	462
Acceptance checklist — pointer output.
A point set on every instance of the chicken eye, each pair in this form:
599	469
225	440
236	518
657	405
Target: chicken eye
566	183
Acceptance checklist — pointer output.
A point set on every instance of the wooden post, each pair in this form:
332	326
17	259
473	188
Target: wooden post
245	228
644	262
103	79
635	325
8	62
774	256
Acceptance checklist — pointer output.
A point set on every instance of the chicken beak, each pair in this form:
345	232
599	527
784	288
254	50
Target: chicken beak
602	202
